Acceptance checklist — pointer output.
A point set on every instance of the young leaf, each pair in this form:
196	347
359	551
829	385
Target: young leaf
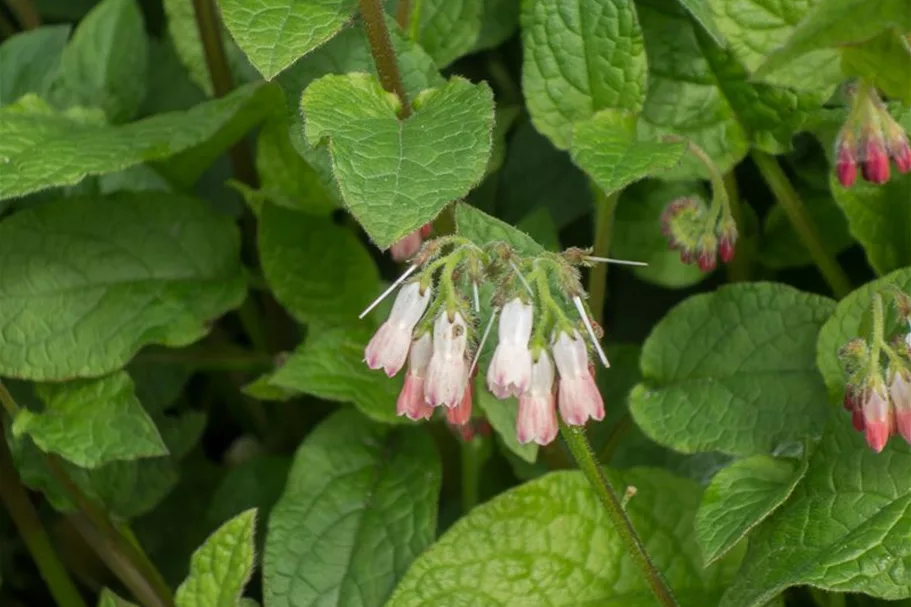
607	148
502	417
92	422
330	365
360	505
838	23
859	503
104	64
87	282
45	149
701	92
885	61
756	28
319	271
580	58
219	570
446	29
30	62
551	539
637	233
275	33
740	497
397	175
845	324
734	371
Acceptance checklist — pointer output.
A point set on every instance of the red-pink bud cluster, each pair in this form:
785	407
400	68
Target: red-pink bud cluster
880	411
407	247
692	230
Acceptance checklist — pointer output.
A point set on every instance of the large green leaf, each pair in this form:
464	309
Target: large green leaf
482	229
92	422
740	497
845	527
330	365
637	233
219	570
447	29
609	150
734	371
700	91
702	13
580	58
104	64
85	283
360	505
885	61
30	62
551	539
754	29
44	149
319	271
397	175
275	33
846	323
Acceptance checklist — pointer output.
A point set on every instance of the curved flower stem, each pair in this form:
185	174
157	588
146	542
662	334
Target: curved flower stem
383	54
29	18
605	206
35	538
739	268
793	207
585	458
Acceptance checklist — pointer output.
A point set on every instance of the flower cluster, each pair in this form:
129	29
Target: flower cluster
869	138
700	234
880	402
540	358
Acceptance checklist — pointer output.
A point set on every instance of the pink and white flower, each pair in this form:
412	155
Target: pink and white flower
900	391
461	413
411	399
389	346
578	396
510	369
448	370
879	420
537	418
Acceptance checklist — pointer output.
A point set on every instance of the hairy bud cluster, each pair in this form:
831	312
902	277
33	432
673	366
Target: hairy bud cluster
699	235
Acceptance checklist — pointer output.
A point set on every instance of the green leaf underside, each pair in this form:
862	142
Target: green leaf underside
700	91
331	365
85	283
219	570
734	371
580	58
551	539
702	13
395	176
885	61
608	149
319	271
502	417
30	62
846	323
44	149
275	33
360	504
845	528
482	229
92	422
740	497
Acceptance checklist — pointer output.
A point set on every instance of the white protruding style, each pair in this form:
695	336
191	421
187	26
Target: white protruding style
510	369
477	355
522	278
591	331
578	397
386	293
389	346
622	262
447	372
537	417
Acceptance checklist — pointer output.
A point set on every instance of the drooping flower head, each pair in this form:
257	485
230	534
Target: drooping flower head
389	346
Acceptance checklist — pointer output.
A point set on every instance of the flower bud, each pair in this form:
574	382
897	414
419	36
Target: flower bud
900	392
411	402
447	371
407	247
708	246
389	346
875	167
878	417
727	238
578	396
510	368
461	413
846	162
537	417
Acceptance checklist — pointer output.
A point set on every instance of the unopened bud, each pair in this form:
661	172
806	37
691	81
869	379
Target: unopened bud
846	163
727	238
708	246
876	161
853	354
896	142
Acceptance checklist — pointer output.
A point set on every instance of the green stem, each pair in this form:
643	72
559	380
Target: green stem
403	14
383	54
474	453
29	18
582	453
209	28
35	538
876	343
605	207
415	25
720	202
125	560
793	207
739	268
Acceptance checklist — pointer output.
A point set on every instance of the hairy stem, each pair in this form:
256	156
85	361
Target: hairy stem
28	16
35	538
739	268
126	560
383	54
403	14
217	63
605	206
585	458
793	207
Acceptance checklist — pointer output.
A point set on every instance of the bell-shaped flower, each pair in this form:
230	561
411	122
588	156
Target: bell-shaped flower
537	418
447	372
411	402
879	421
389	346
900	391
510	369
461	413
578	397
